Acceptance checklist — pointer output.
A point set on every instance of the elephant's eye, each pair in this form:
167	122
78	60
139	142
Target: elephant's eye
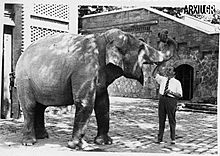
120	50
142	47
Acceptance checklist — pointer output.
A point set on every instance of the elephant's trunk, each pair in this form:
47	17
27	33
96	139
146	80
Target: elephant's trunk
168	50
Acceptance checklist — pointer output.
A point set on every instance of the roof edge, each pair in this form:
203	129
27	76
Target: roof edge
179	20
112	12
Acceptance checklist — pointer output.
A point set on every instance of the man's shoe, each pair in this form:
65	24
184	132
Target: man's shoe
173	142
159	142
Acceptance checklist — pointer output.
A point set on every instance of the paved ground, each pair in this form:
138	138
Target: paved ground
133	127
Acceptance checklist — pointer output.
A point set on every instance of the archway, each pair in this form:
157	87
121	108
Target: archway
184	73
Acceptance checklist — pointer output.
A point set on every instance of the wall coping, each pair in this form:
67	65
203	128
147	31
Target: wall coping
197	23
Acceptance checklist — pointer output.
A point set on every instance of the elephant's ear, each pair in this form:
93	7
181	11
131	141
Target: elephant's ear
118	39
118	42
114	56
121	43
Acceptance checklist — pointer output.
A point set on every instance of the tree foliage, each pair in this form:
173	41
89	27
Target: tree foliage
178	12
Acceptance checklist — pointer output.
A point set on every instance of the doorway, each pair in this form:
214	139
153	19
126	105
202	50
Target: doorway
184	73
6	70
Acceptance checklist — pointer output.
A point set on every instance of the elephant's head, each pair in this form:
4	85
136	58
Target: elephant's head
129	53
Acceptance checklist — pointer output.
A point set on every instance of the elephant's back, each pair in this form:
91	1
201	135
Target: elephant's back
43	65
55	48
48	51
49	63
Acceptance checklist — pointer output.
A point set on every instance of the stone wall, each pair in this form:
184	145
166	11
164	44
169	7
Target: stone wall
205	75
195	48
131	88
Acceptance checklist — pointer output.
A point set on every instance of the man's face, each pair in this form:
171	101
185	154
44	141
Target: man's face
170	72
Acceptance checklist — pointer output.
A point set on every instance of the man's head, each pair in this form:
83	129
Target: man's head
170	72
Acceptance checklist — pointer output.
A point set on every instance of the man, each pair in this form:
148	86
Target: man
170	90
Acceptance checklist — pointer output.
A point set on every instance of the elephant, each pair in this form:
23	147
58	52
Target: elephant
66	69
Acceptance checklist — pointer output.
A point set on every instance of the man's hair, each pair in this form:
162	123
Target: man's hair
170	71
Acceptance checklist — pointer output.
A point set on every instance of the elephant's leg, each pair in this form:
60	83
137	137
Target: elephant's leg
102	117
28	105
39	124
84	108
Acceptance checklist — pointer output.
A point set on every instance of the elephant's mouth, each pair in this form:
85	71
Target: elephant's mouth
156	68
150	62
158	63
139	77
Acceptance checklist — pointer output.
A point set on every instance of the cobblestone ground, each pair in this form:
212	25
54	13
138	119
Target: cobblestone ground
133	128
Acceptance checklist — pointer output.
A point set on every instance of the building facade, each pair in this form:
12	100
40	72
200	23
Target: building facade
27	21
23	23
196	64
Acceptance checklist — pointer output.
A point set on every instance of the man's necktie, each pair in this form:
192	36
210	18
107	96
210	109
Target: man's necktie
166	86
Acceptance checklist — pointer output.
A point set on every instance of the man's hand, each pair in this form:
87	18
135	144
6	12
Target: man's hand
177	95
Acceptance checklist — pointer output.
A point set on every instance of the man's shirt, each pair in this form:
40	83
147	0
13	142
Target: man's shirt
174	85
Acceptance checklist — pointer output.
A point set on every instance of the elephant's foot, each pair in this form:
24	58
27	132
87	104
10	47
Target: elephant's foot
28	140
103	140
41	134
78	145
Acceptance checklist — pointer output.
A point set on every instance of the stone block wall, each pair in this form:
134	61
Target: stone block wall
206	89
131	88
195	48
205	75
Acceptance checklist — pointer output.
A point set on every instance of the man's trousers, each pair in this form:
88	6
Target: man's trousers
167	106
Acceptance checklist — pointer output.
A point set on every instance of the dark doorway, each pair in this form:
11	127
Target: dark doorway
184	73
6	70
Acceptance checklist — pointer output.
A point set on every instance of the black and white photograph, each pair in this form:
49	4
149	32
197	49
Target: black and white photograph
109	77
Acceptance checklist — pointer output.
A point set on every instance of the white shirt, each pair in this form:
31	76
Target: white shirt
174	85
